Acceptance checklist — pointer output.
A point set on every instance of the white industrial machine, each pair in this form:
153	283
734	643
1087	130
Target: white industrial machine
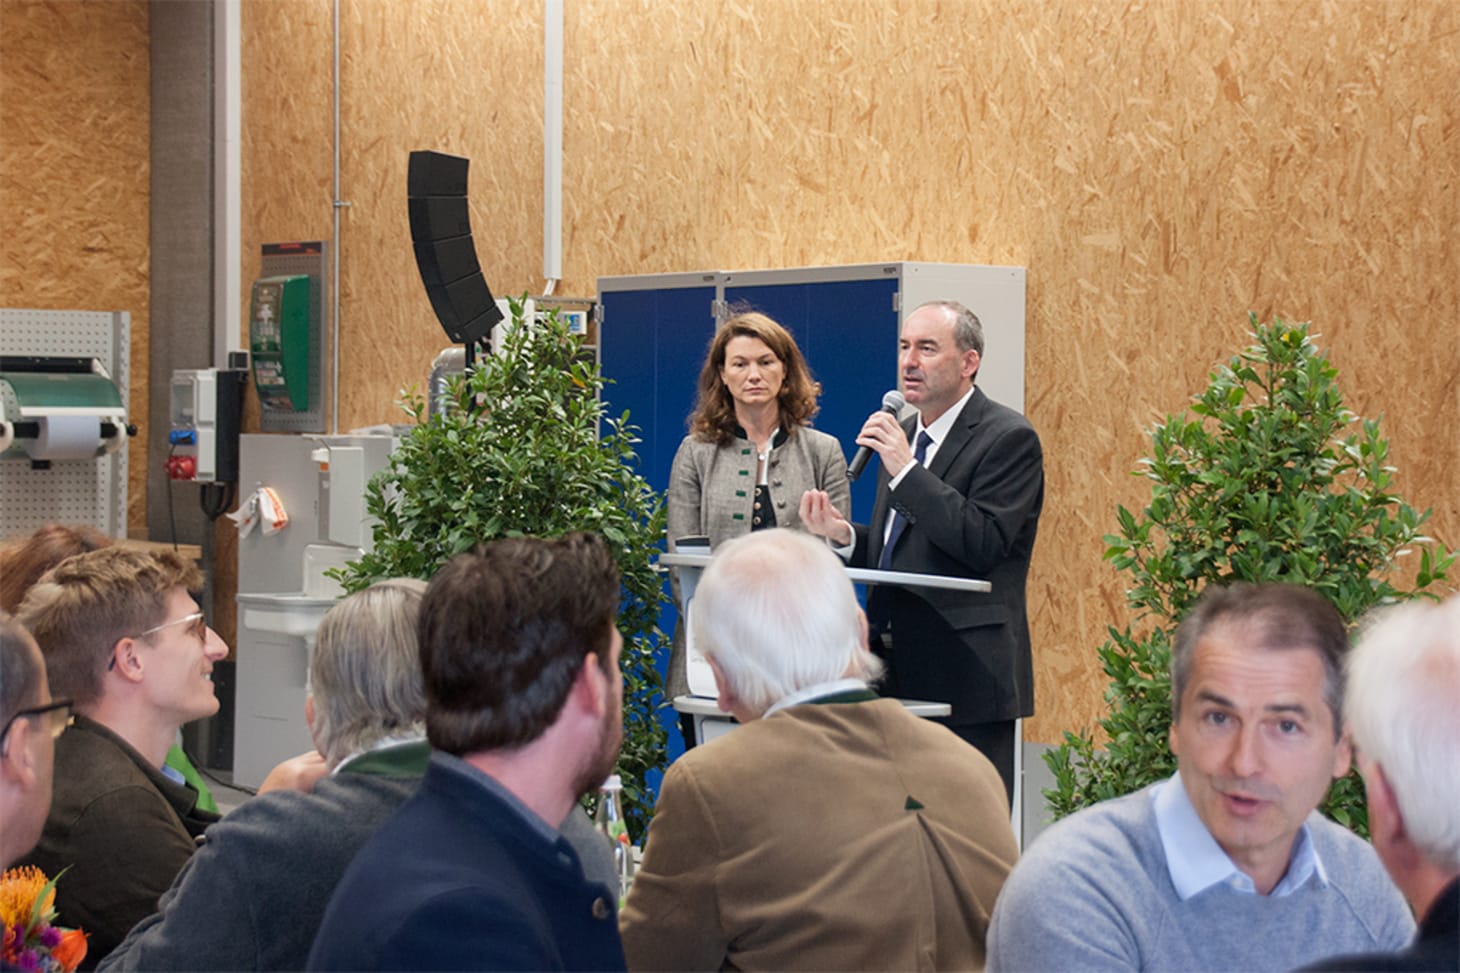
283	591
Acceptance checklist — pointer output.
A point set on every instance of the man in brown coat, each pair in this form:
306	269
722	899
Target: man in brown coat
835	830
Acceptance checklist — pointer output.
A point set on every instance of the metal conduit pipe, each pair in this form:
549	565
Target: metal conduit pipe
336	205
451	361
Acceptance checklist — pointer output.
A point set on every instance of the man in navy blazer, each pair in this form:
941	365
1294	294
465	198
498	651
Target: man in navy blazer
524	714
959	494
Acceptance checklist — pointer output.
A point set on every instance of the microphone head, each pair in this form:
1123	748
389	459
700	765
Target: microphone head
893	401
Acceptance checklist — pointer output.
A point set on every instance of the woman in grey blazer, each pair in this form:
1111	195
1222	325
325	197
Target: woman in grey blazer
751	451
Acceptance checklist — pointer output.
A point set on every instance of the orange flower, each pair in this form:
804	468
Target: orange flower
71	950
19	889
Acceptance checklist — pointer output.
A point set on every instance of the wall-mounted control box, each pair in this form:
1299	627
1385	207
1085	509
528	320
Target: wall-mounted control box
204	424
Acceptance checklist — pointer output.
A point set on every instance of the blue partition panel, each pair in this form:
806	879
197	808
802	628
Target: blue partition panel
651	345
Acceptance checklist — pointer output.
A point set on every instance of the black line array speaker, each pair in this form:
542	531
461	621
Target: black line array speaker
445	253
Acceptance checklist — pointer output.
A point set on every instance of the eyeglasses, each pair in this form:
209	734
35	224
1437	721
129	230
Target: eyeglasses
197	620
59	711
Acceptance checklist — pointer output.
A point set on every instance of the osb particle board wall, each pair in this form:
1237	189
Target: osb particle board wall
74	196
1160	169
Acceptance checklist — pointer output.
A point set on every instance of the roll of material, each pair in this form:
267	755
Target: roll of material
67	437
60	416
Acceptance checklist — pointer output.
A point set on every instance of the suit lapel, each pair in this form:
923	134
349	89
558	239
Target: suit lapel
959	436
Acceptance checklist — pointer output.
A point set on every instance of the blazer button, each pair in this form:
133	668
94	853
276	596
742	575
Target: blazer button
600	908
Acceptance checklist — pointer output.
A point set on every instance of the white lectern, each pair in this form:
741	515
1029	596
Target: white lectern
697	670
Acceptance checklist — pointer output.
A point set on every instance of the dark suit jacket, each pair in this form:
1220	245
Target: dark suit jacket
971	513
458	879
122	829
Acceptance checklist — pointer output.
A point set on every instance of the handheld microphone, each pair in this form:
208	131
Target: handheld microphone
892	404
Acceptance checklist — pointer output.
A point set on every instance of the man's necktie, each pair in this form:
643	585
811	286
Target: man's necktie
898	520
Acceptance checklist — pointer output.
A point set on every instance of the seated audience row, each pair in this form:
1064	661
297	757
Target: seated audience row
833	831
125	641
524	710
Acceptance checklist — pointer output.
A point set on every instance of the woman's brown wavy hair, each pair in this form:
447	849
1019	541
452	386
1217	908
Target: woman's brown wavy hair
713	420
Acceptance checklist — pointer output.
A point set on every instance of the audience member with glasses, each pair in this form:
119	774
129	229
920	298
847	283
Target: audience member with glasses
125	641
30	721
23	562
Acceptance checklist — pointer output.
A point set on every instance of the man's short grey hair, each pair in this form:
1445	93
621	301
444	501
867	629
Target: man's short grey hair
967	329
1403	705
366	674
777	613
1274	617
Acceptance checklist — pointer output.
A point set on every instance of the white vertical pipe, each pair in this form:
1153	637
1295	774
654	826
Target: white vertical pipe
336	206
227	180
552	143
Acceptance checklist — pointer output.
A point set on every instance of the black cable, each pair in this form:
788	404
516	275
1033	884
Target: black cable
216	498
209	495
198	766
171	517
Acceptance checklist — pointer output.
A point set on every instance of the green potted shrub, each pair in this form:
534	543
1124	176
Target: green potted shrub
524	447
1267	477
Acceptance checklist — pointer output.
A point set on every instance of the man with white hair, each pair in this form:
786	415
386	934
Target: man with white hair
1403	706
835	830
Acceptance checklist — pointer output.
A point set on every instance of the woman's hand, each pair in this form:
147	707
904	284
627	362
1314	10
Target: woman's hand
820	517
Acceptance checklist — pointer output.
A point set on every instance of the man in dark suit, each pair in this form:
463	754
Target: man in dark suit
959	494
524	704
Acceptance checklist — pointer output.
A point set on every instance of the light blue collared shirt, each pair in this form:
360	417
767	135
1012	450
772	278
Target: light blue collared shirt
1196	862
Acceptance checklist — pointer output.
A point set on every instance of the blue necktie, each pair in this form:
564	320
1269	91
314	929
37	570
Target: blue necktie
884	563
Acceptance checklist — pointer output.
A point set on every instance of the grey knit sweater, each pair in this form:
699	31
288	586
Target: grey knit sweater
1094	893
